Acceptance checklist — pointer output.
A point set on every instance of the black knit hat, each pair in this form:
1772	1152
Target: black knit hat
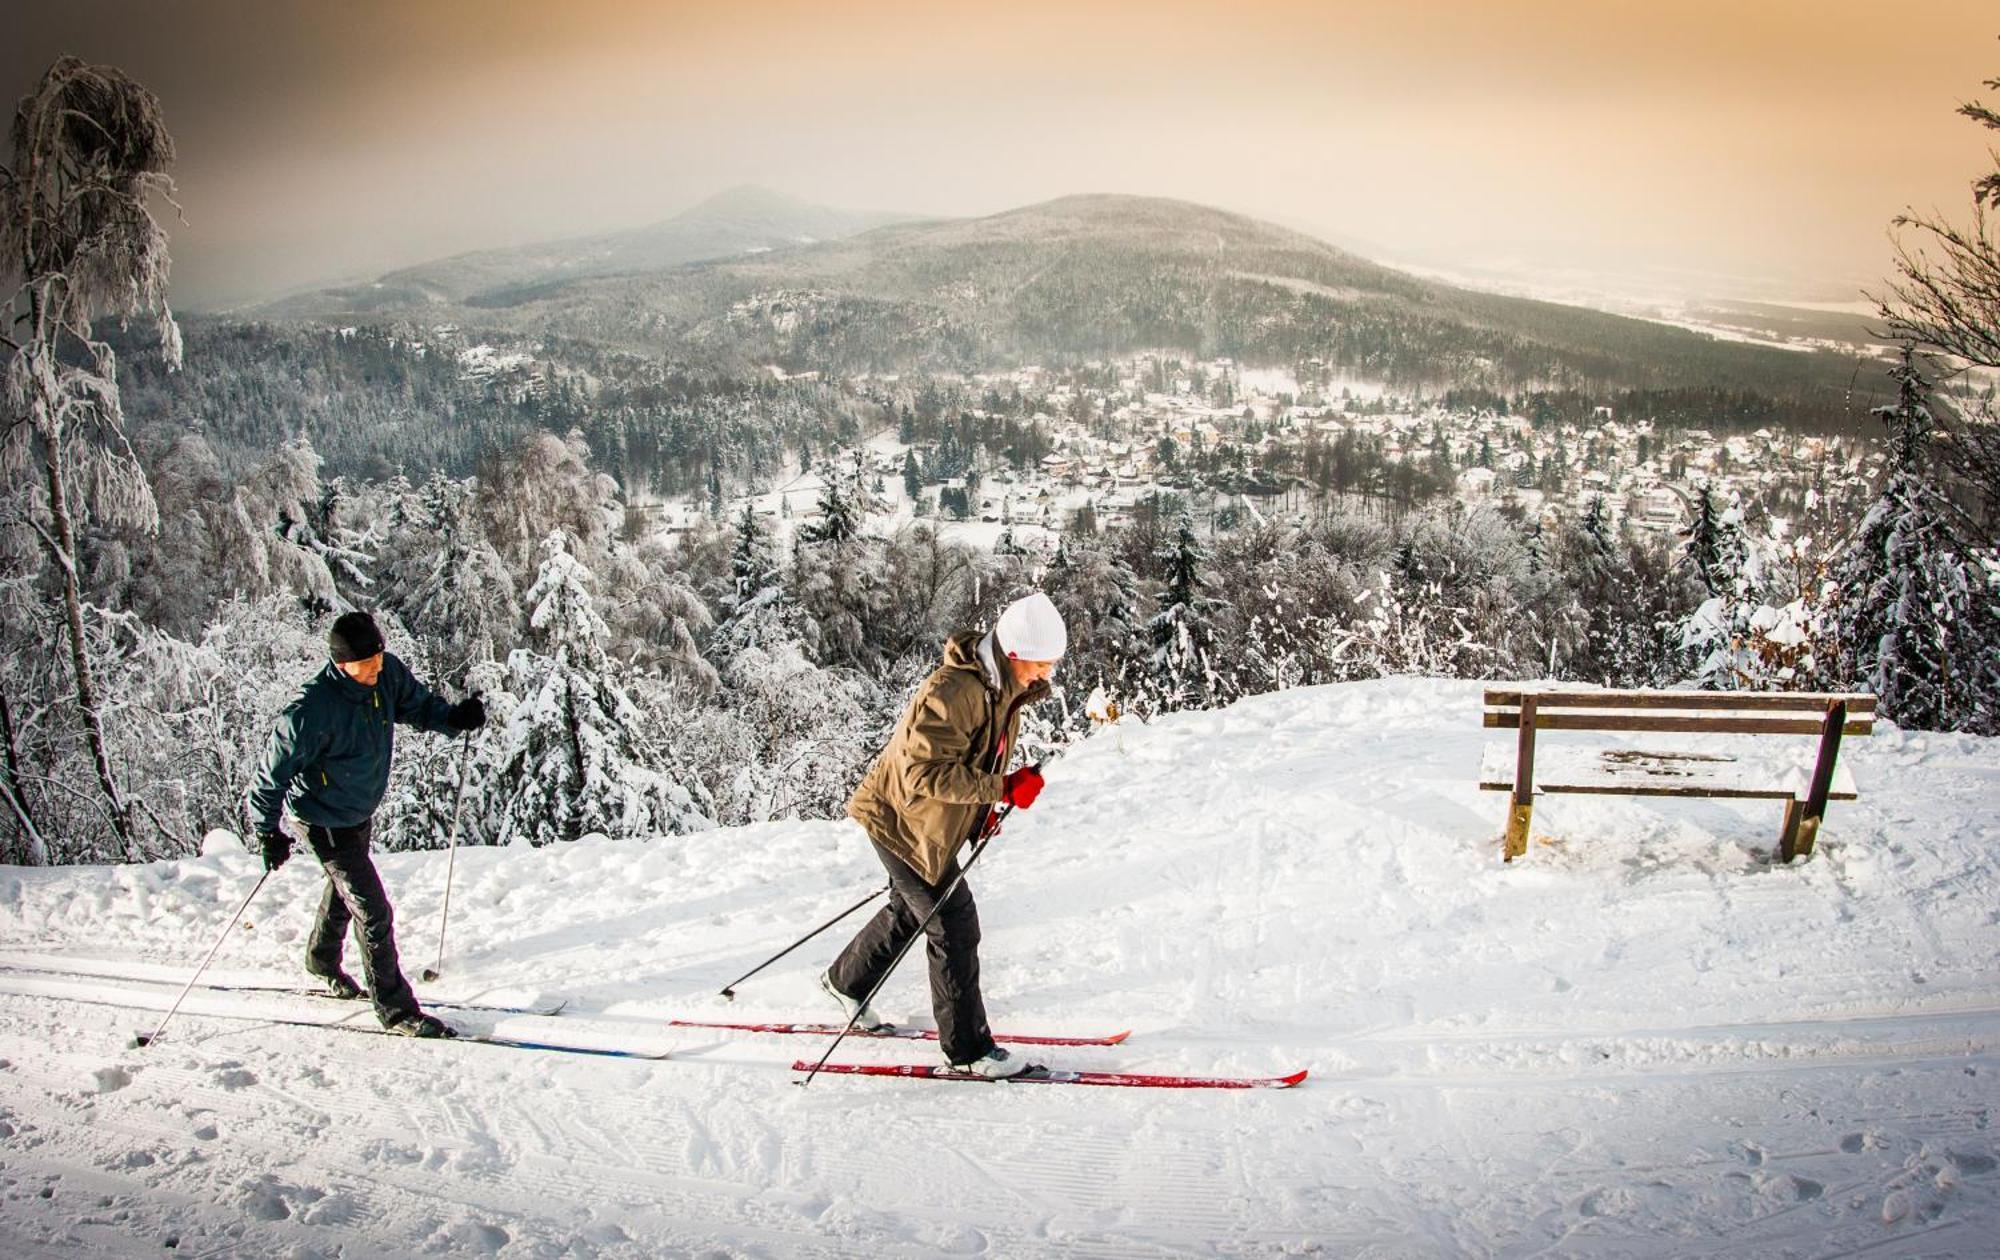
354	637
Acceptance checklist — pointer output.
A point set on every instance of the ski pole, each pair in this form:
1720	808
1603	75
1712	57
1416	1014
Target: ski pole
141	1040
451	858
991	824
729	990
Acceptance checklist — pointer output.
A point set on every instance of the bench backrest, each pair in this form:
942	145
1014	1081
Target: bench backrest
1717	712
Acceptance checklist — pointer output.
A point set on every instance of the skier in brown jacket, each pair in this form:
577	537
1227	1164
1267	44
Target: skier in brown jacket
924	796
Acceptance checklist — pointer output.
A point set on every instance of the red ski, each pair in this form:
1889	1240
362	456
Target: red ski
897	1034
1039	1075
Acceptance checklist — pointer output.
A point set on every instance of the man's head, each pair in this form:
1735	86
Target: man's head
1031	637
355	644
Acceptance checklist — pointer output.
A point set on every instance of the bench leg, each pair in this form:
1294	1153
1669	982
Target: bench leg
1808	831
1521	810
1518	818
1788	835
1802	817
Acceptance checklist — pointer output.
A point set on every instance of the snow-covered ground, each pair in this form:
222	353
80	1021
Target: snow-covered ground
1641	1040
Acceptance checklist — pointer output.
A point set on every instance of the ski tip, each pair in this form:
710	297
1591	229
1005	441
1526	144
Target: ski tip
1286	1082
1118	1038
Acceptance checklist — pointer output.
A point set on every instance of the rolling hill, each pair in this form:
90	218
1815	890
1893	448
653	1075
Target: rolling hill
1076	278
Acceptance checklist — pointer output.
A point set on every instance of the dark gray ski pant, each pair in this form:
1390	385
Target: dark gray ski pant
953	946
354	894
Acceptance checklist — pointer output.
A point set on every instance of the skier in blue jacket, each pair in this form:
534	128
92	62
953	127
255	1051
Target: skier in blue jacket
328	765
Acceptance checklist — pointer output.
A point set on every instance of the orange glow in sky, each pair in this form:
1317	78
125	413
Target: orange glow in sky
1767	139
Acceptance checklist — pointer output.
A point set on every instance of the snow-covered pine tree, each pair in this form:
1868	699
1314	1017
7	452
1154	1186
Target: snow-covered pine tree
572	756
460	593
839	516
1182	634
1714	546
1715	640
1595	573
1916	610
753	565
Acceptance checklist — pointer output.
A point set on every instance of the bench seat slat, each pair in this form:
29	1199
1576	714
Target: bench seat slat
1688	723
1636	772
1781	701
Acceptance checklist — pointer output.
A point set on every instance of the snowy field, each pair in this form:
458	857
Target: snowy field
1642	1040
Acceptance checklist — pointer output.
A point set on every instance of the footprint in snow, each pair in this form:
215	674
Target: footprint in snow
108	1080
478	1236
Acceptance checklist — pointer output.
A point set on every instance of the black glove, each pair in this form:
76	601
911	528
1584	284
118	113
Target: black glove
277	847
468	714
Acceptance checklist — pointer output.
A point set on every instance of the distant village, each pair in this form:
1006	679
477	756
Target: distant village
1229	441
1231	444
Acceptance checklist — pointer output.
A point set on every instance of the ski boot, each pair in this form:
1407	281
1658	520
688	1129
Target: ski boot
418	1024
864	1017
995	1065
338	984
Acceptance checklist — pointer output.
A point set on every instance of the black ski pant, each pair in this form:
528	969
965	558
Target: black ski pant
953	945
354	895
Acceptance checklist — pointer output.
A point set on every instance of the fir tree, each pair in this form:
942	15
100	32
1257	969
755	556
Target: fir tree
1714	545
1717	638
839	518
1916	611
751	565
574	757
1182	634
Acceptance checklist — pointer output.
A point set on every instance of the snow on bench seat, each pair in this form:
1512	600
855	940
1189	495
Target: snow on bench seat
1626	771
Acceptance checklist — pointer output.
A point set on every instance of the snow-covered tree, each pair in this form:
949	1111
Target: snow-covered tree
78	242
1405	629
545	483
656	618
294	545
1917	610
573	755
1717	640
839	514
1182	634
457	591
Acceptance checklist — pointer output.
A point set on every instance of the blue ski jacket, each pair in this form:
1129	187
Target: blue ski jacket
328	759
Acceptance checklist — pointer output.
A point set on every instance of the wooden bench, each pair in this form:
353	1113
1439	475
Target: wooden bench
1636	772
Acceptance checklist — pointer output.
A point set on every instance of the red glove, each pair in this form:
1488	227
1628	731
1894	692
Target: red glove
1023	786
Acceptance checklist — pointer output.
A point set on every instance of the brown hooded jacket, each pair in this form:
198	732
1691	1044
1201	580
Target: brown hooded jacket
925	791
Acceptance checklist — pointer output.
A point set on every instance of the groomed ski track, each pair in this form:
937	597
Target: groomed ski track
1642	1042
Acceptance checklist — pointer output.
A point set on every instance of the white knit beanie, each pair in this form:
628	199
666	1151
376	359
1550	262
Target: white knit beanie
1032	630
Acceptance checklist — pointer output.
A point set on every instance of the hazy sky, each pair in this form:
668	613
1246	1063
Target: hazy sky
1768	139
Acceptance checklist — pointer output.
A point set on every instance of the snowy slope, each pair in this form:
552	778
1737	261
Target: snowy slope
1643	1040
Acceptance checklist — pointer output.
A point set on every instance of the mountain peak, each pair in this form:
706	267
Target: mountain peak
748	201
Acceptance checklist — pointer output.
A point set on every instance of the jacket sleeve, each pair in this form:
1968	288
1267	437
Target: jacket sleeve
416	704
935	752
293	747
